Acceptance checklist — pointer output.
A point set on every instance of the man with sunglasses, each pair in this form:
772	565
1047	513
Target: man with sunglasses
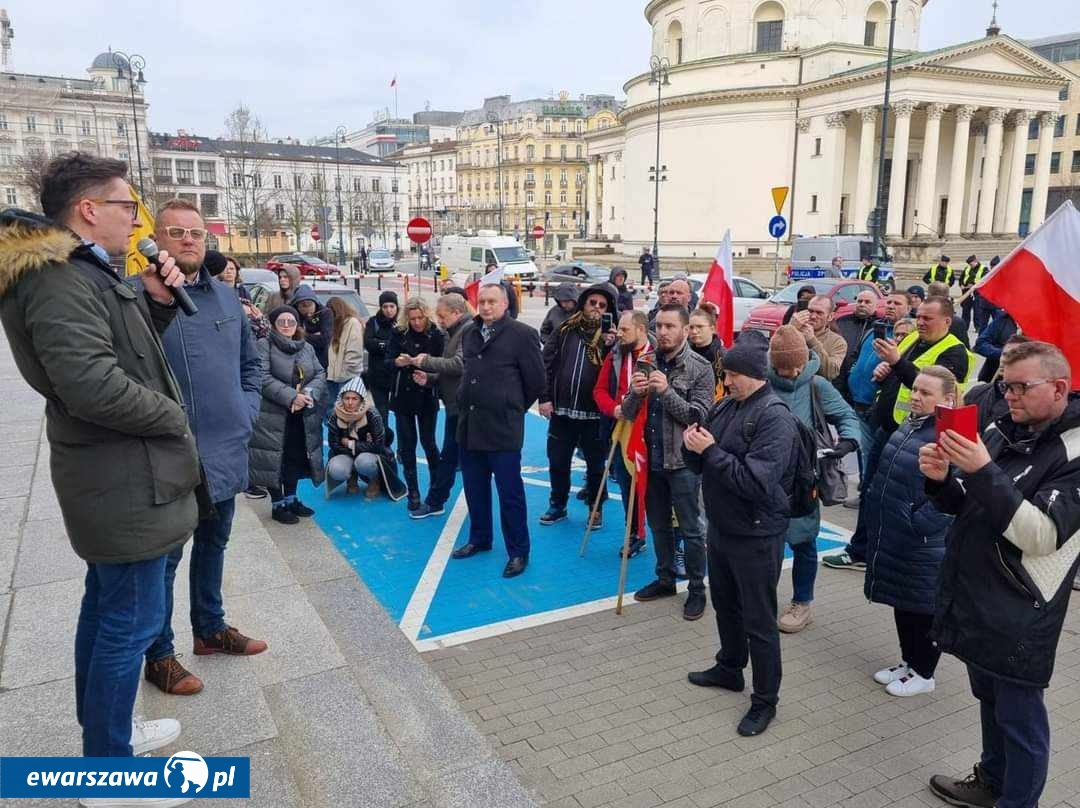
123	461
220	374
1010	557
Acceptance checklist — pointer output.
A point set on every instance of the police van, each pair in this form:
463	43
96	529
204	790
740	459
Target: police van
471	254
811	257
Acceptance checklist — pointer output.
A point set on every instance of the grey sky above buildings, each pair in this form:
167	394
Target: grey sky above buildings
305	68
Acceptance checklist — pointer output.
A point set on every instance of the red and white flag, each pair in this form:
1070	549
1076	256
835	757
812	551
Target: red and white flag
393	81
718	291
472	291
1038	283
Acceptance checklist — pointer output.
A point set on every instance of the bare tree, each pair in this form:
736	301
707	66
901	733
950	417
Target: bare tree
29	172
320	203
297	209
244	169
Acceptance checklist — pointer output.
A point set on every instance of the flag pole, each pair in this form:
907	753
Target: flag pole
599	494
626	543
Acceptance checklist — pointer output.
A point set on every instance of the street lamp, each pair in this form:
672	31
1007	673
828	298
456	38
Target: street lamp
493	120
339	137
877	216
254	214
658	75
132	63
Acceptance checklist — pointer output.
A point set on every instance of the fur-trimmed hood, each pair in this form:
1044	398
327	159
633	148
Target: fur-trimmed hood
29	242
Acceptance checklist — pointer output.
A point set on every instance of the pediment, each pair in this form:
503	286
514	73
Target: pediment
992	55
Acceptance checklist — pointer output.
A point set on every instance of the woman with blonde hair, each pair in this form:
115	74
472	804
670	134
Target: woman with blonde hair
345	354
413	397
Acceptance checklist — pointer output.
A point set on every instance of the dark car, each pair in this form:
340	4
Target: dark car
576	272
769	316
309	265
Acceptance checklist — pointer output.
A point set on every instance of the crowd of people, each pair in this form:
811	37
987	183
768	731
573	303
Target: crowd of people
968	538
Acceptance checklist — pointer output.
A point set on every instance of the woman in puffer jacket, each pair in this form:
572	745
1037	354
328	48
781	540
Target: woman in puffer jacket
906	538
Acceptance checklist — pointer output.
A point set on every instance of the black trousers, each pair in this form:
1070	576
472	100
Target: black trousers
564	436
743	574
410	427
913	631
381	397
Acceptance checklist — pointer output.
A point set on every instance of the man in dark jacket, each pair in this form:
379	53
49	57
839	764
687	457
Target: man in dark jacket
317	322
215	361
566	296
624	297
853	329
123	462
745	452
503	375
572	359
377	333
1010	558
992	340
647	262
941	272
957	329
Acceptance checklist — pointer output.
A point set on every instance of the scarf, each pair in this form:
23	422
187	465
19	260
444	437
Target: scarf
590	336
351	420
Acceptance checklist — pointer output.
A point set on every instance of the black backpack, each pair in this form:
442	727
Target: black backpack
803	498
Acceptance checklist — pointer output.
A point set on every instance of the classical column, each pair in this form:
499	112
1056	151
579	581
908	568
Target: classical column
958	170
984	223
898	180
1047	121
592	197
1021	121
864	179
837	127
926	215
1004	176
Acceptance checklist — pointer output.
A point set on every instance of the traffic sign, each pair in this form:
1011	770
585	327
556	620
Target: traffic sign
418	230
315	232
777	226
538	231
779	197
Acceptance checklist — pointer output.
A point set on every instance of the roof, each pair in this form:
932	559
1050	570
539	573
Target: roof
279	151
29	78
107	60
507	110
1053	40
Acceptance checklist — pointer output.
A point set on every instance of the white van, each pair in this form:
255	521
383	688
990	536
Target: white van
473	253
811	257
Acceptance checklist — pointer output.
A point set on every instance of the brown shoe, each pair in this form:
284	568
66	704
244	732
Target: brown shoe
353	486
229	641
373	488
172	677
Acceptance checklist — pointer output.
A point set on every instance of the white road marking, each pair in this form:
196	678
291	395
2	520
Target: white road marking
417	609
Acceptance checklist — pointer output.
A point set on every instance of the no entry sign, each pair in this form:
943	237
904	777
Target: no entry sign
418	230
538	231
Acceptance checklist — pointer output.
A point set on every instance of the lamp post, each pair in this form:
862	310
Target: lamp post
877	216
131	64
254	215
658	75
339	137
493	120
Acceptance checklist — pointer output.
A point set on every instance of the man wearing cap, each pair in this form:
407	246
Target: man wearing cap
941	272
380	374
745	452
972	274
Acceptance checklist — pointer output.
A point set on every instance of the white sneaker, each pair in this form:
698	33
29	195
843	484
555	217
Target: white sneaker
890	675
146	736
134	802
910	685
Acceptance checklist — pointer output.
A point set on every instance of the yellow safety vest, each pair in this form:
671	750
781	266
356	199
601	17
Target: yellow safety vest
972	275
903	398
869	273
948	274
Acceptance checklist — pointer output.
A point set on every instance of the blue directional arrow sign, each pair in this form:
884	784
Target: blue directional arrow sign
777	226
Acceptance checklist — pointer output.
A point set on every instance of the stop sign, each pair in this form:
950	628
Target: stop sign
538	231
315	232
418	230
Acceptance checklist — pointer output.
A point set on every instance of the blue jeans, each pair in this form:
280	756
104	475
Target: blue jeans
477	469
443	479
803	571
123	606
340	467
204	576
679	490
1015	738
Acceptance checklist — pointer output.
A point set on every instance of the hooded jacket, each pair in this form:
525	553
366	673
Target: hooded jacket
557	315
377	333
279	299
625	298
572	359
319	327
122	457
1012	551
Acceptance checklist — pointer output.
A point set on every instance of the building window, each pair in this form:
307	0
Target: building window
530	198
1055	162
547	152
84	127
770	36
530	153
162	170
577	198
813	203
357	184
189	198
375	186
358	214
207	173
121	127
870	34
562	197
185	172
256	180
1033	129
579	152
817	147
1029	165
337	183
397	213
278	183
316	182
58	126
393	186
562	152
237	180
298	182
547	125
3	122
612	216
209	204
1059	127
7	155
1076	162
1063	93
562	217
1077	132
279	211
10	196
547	197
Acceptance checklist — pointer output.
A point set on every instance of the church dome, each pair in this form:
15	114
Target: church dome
104	61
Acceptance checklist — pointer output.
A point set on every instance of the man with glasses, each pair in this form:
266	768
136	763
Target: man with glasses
123	461
854	329
813	324
1010	556
215	361
573	355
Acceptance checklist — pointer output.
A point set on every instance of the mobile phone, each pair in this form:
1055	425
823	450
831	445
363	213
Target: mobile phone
882	329
962	420
802	305
607	322
644	366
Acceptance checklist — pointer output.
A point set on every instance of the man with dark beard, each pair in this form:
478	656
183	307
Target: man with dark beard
572	359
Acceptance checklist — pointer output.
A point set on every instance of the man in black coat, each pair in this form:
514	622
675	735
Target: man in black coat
1010	558
503	375
744	451
379	375
854	329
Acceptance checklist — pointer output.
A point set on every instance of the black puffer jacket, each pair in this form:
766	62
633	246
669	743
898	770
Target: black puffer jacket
1012	552
906	533
569	375
377	333
406	396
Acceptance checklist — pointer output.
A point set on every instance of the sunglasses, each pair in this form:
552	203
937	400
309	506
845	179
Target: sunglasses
284	321
130	204
178	233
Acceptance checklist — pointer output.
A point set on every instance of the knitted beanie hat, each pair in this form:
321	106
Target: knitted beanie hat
788	350
749	355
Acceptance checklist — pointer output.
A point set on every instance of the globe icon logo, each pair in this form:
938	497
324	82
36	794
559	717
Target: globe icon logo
186	773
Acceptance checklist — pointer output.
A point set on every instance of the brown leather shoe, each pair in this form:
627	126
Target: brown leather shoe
172	677
229	641
373	488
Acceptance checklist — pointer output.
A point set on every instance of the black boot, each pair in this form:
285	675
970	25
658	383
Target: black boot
282	513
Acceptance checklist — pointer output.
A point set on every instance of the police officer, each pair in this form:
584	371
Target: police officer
941	272
868	271
972	274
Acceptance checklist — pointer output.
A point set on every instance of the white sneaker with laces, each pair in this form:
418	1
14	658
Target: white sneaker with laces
146	736
910	685
889	675
134	802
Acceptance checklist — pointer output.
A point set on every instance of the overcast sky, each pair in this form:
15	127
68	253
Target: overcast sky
306	70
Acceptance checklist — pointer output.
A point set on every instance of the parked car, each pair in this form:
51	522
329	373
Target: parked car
261	283
576	272
769	316
310	265
748	295
324	290
380	260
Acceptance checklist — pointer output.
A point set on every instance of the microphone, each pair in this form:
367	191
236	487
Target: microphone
149	251
215	263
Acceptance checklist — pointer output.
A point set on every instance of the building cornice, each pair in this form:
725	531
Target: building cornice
775	92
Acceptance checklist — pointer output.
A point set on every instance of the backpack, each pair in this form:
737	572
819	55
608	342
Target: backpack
803	499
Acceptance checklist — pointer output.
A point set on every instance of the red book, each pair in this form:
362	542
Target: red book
961	420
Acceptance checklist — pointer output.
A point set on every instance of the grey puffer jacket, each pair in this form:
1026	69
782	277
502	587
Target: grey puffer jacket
290	363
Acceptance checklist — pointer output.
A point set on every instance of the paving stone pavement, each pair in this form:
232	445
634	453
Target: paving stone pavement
596	711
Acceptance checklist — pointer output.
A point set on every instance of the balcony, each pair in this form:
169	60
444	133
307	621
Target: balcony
529	184
564	184
547	183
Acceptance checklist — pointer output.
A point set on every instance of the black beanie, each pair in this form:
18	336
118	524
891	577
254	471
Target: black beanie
749	355
388	297
280	310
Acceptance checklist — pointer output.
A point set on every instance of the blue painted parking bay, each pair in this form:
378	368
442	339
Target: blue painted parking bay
439	601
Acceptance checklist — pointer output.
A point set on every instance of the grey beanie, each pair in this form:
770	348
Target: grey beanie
749	355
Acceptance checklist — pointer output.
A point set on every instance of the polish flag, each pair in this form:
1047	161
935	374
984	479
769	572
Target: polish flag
1038	283
718	291
472	291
